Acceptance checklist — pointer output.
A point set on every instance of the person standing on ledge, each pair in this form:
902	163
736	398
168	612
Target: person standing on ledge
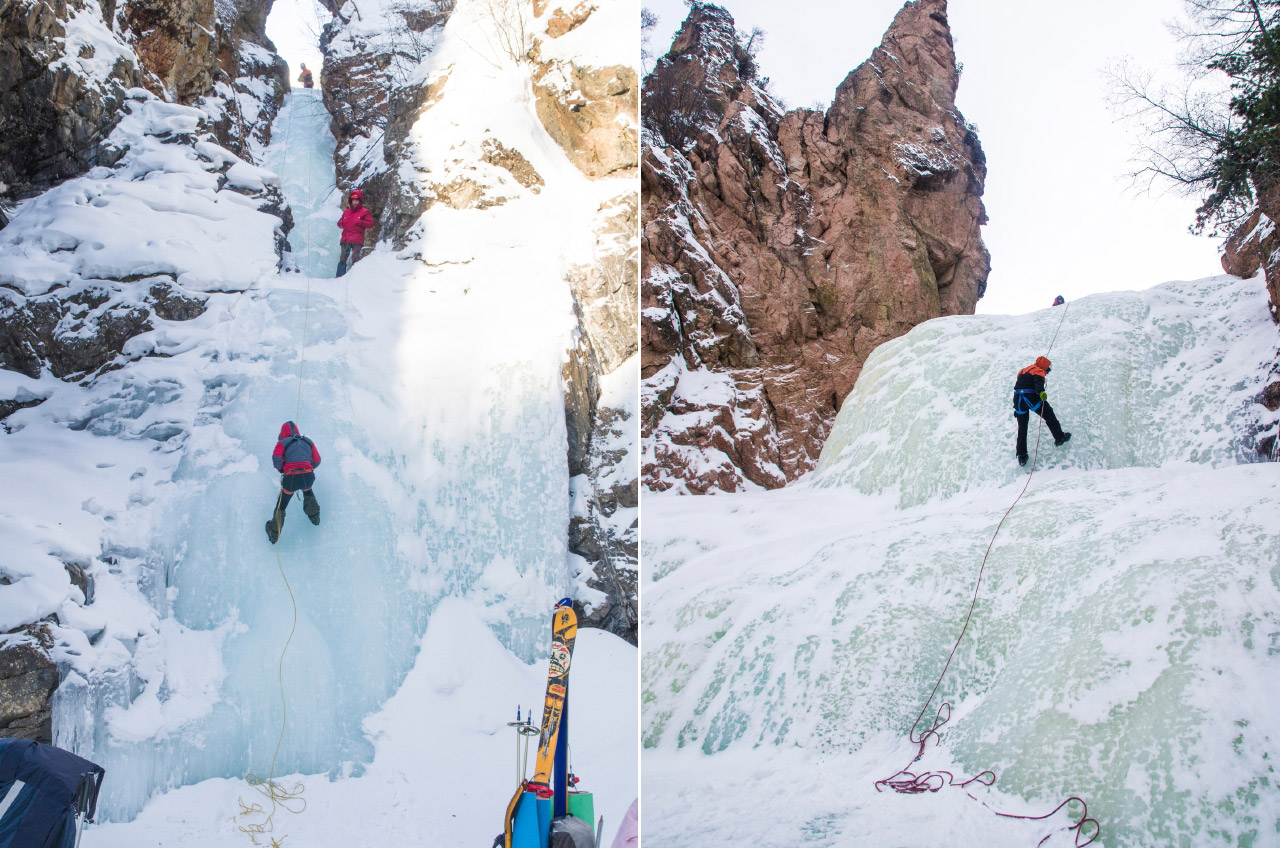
354	221
305	77
1029	396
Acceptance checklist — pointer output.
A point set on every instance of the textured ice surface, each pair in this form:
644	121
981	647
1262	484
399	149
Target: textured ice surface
301	152
1145	379
440	477
1126	641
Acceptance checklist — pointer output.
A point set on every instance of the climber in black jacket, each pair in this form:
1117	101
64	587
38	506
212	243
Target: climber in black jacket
1029	396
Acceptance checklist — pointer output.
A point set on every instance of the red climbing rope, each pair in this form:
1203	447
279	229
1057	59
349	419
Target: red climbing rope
912	783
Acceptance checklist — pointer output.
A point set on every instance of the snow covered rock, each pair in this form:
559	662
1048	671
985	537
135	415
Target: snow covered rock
585	82
373	52
68	66
28	678
104	258
1255	246
780	248
65	75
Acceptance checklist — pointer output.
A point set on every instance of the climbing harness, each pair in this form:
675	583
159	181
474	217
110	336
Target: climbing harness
281	796
910	782
1024	397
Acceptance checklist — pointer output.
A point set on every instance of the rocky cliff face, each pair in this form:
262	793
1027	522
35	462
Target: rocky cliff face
387	94
781	247
67	66
65	72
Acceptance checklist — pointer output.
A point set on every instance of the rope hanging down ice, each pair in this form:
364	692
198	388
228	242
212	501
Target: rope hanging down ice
288	797
910	782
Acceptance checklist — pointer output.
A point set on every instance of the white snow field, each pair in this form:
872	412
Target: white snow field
431	382
1125	645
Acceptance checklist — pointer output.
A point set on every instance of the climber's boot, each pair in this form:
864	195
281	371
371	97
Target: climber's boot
274	525
1066	437
311	507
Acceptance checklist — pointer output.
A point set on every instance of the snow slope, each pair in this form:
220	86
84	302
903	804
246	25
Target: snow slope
443	753
431	382
1123	646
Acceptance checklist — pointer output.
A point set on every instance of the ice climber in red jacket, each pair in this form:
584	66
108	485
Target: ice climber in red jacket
354	221
296	458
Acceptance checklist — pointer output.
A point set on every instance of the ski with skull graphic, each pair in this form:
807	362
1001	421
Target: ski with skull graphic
520	824
564	630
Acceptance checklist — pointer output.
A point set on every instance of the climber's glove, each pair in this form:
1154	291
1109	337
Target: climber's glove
1044	396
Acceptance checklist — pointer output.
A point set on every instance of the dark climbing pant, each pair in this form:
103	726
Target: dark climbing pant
310	506
293	482
1045	411
350	253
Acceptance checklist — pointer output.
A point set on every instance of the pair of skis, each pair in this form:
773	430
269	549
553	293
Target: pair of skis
564	631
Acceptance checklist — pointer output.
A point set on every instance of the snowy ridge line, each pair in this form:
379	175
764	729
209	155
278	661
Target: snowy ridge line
910	783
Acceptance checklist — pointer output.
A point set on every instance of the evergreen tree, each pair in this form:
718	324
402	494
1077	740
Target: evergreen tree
1224	148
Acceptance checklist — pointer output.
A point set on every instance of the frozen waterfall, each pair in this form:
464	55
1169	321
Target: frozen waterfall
301	152
1126	640
441	476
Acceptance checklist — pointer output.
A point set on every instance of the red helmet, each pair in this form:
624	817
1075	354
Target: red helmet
357	194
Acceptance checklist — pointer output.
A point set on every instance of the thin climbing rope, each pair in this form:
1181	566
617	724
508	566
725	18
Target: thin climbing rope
290	797
911	783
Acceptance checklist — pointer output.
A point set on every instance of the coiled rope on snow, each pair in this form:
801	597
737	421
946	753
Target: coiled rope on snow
909	782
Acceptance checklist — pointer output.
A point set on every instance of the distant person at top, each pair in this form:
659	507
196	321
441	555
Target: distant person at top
305	77
1059	300
354	221
1029	396
296	458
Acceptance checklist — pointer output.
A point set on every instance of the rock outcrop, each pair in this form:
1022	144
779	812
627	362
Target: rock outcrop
76	331
68	63
61	90
1255	245
28	679
73	70
591	110
604	529
781	247
369	90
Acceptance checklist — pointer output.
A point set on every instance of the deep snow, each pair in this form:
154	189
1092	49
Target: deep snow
1124	644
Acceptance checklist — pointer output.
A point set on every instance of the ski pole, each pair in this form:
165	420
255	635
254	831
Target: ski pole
517	724
599	831
527	731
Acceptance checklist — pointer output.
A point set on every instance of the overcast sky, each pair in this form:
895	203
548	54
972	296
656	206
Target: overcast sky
1064	217
294	27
